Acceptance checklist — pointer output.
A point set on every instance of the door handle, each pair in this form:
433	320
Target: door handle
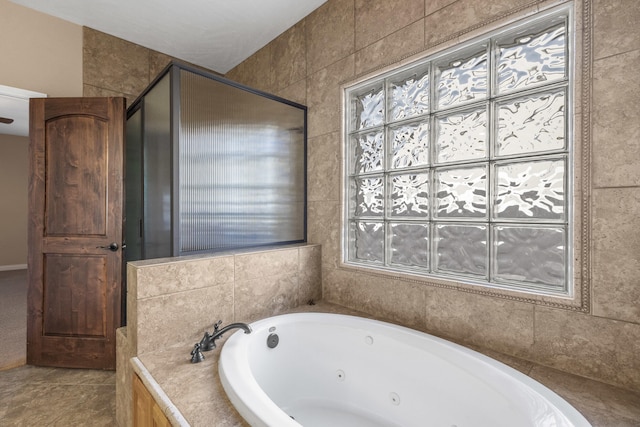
112	247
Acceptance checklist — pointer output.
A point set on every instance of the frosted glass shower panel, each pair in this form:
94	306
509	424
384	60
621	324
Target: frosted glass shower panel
242	174
157	171
133	187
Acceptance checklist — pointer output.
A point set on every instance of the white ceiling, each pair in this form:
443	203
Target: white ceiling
215	34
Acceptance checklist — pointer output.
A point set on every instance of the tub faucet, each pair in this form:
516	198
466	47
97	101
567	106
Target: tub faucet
208	341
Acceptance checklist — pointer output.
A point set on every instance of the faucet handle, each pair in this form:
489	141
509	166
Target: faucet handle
196	354
207	343
216	326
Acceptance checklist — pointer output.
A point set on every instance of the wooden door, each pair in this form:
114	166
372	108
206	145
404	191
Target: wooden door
75	231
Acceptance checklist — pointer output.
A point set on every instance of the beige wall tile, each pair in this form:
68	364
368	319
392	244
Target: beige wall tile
179	276
256	71
589	346
616	246
123	379
323	97
181	318
323	220
334	281
132	309
157	62
431	6
330	34
376	19
323	171
244	72
264	80
498	324
393	300
113	63
288	56
390	49
93	91
601	404
615	27
266	264
464	15
264	297
297	92
616	120
309	274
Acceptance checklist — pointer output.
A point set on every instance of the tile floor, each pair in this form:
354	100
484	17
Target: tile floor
36	396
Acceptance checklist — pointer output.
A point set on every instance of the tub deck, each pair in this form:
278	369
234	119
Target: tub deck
192	394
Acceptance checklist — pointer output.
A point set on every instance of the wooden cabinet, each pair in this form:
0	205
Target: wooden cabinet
146	412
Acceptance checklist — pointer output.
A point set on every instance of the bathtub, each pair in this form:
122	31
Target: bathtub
317	369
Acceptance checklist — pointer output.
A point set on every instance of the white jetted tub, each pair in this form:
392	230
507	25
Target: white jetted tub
330	370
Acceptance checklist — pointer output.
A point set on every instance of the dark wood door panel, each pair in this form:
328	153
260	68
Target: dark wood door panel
75	213
75	295
76	186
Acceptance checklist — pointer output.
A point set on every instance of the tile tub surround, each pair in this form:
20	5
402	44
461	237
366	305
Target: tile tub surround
171	302
346	39
175	300
196	393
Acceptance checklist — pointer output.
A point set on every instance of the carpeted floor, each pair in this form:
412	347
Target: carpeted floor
13	318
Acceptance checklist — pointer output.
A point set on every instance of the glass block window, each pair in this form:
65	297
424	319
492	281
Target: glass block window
460	165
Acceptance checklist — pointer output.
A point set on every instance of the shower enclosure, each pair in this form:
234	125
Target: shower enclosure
212	165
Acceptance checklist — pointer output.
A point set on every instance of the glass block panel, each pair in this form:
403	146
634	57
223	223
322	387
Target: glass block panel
409	94
367	241
530	254
461	136
461	249
461	192
410	194
410	245
532	59
462	80
532	124
368	108
367	196
409	145
367	152
534	190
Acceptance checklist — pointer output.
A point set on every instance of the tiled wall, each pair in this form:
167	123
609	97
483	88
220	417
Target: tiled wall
347	38
171	302
115	67
344	39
